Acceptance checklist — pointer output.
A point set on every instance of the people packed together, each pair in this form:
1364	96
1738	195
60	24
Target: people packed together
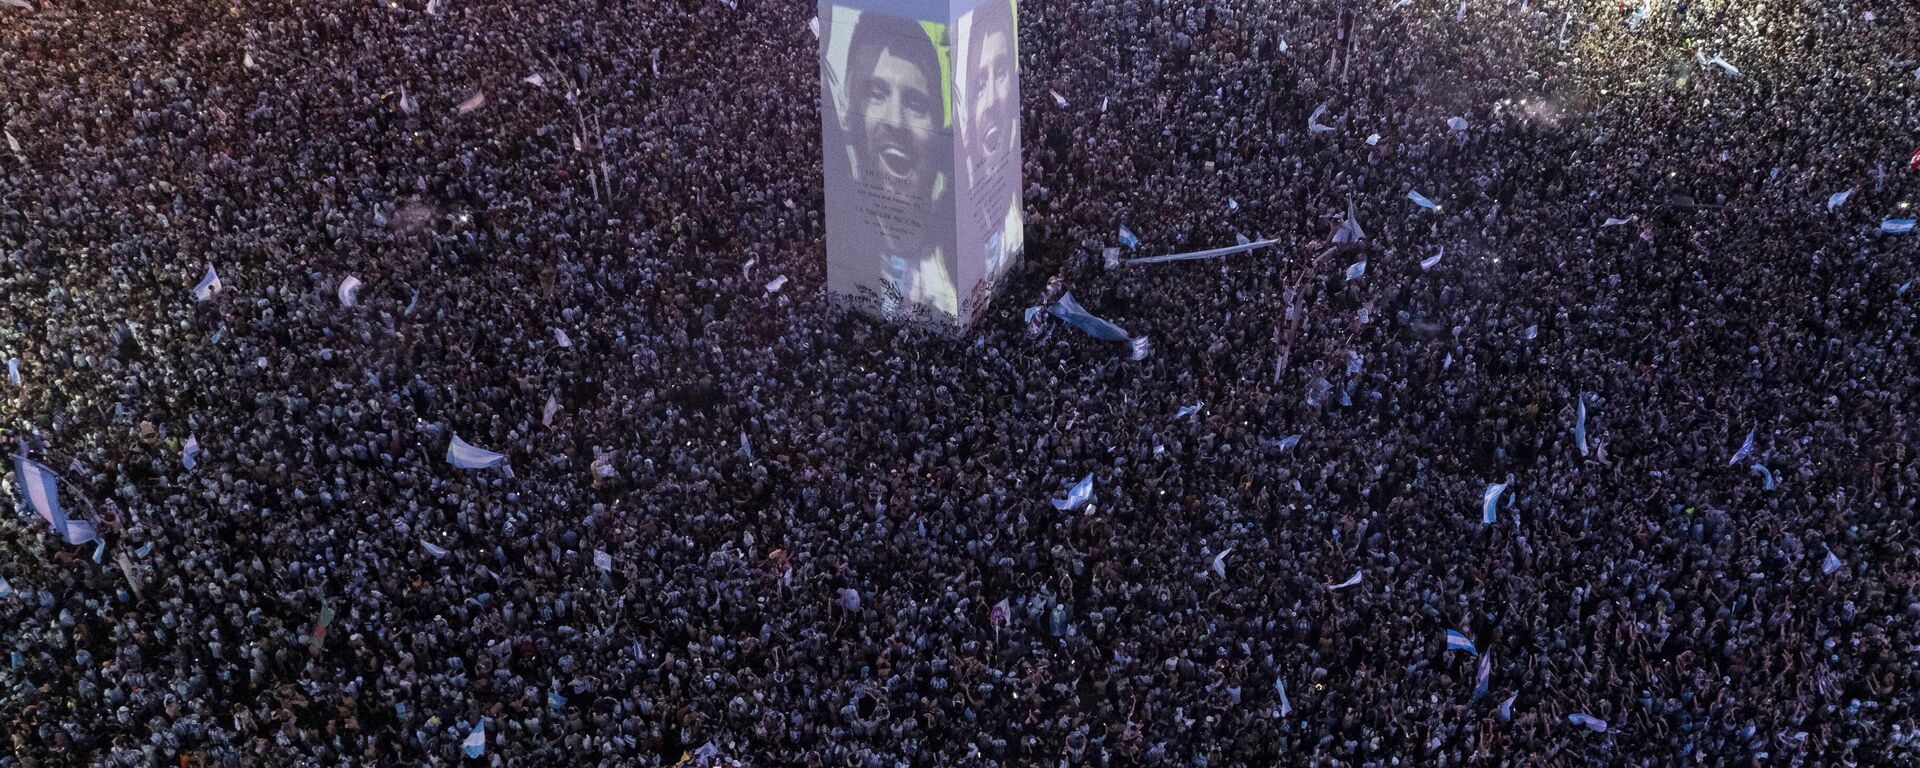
1571	420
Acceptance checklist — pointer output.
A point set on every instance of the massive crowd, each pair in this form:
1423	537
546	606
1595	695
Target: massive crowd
808	517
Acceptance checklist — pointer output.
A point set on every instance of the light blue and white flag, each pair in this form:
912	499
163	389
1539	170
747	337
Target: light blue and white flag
1244	246
1722	64
560	337
555	701
1373	140
1422	201
13	371
1613	222
1506	707
1219	566
1831	563
5	588
1837	199
1128	239
42	489
1141	347
1489	503
465	456
1746	448
1077	496
1434	261
433	549
1352	580
1241	239
1187	410
349	291
1069	310
774	285
476	743
1350	231
1059	99
1897	226
602	560
1580	423
1766	477
546	413
1595	724
1232	204
1357	270
208	286
1481	678
1458	124
1287	443
1459	642
190	453
1280	686
408	312
1313	120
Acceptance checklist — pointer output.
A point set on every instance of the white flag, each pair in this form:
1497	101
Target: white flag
246	60
1220	562
190	452
774	285
465	456
474	102
349	291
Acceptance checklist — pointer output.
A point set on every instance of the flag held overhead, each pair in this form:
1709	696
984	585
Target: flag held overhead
1489	502
465	456
1069	310
1077	496
1459	642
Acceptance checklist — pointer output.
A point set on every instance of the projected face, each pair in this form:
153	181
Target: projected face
992	99
899	123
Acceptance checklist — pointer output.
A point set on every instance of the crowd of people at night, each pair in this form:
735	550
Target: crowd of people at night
1661	296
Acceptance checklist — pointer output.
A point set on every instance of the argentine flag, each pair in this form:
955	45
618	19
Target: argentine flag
465	456
1077	496
1128	239
41	487
208	286
1459	642
1488	512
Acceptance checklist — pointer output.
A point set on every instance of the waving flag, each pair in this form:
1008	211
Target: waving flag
1459	642
1280	687
1187	410
774	285
1077	496
1481	678
208	286
1313	120
1458	124
1766	477
13	371
1613	222
1430	263
1069	310
1244	246
476	743
190	452
465	456
1593	723
1059	99
1506	707
546	414
1828	566
535	80
1232	204
1580	422
1488	512
22	4
432	549
1352	580
1897	226
1836	199
476	101
1746	448
1357	270
602	560
1913	163
1127	239
1350	231
1140	347
42	489
560	337
349	291
1421	200
1220	562
1373	140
